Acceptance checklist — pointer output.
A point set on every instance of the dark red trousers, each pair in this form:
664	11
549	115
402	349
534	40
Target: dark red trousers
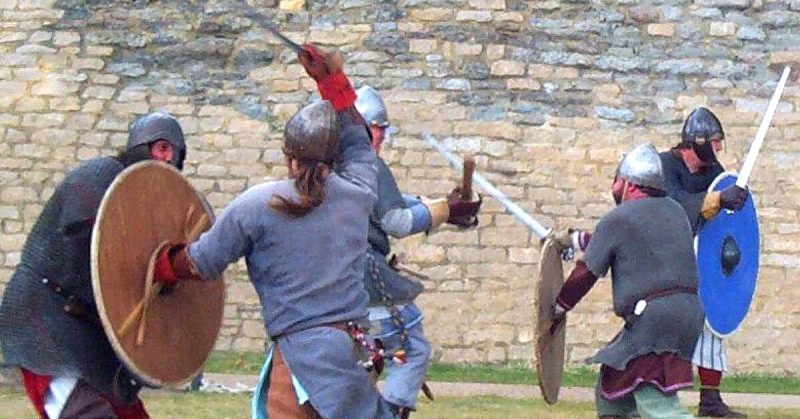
84	402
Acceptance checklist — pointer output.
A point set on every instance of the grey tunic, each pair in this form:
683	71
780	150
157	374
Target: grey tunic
647	244
689	189
308	272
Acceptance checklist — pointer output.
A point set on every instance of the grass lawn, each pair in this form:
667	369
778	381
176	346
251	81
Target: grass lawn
167	405
517	373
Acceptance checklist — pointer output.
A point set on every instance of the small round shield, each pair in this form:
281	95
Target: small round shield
549	342
148	205
727	263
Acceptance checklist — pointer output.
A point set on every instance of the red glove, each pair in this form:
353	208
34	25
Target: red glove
172	265
332	83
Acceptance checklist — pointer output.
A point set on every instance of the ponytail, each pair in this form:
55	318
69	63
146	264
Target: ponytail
310	186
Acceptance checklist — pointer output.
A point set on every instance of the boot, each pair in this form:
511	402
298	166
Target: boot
400	412
711	405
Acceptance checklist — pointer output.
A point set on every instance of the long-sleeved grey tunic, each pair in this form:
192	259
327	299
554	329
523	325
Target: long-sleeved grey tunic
308	272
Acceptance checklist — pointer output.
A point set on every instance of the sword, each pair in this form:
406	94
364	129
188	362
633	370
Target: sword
259	18
466	179
291	44
495	193
750	160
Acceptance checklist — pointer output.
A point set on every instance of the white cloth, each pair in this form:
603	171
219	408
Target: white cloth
57	395
710	352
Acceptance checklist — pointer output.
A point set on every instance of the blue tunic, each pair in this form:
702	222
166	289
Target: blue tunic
308	272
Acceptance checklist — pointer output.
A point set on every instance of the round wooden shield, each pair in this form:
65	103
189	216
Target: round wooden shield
549	344
148	204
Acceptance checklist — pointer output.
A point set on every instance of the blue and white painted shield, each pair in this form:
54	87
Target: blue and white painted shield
727	262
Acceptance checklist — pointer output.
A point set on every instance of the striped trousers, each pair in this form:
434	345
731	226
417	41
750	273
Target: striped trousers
710	352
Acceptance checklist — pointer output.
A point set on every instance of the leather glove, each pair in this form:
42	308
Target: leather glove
463	214
733	197
326	70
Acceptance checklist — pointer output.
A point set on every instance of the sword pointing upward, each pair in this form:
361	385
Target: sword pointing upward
291	44
511	207
750	160
259	18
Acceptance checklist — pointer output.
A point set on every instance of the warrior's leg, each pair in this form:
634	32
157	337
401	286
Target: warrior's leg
404	381
621	408
652	403
71	398
281	397
711	361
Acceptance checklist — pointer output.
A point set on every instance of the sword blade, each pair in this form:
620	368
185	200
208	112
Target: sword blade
487	187
750	160
291	44
264	22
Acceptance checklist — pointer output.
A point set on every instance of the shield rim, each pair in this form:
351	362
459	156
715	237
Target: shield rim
108	328
711	187
551	399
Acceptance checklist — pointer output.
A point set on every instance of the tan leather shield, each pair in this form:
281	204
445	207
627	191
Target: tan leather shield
169	335
549	344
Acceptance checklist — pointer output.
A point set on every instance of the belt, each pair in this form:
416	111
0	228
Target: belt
73	305
342	325
640	305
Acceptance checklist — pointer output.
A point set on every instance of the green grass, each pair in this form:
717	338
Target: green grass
168	405
752	383
516	373
234	362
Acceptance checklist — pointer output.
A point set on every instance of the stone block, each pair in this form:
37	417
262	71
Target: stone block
661	29
722	28
292	5
432	14
508	68
478	16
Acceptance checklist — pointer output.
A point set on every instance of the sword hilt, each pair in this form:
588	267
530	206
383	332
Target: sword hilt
466	179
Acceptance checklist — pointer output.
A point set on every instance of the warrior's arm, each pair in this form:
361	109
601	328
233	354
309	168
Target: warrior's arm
226	242
692	203
580	281
400	222
356	160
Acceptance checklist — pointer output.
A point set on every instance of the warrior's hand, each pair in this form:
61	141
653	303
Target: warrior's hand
571	241
463	214
326	70
172	265
733	197
559	314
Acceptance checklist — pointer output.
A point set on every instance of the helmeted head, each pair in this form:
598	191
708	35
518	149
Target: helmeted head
641	167
700	131
157	136
312	133
371	107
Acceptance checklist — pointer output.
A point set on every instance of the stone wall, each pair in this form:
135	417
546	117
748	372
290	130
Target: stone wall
548	94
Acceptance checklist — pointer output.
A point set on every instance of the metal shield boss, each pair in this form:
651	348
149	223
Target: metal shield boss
148	205
549	346
727	261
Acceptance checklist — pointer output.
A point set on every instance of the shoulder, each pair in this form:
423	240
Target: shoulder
669	159
263	192
96	167
612	219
